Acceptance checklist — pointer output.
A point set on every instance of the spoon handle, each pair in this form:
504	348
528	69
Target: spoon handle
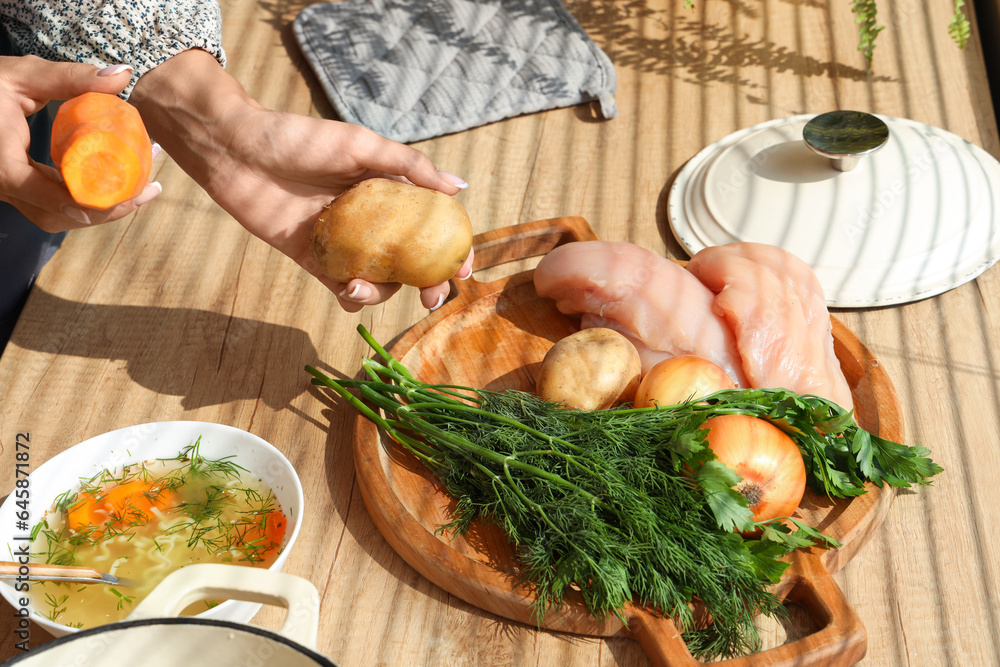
10	569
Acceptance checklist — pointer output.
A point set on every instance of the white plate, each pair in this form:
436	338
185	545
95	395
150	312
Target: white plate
144	442
914	220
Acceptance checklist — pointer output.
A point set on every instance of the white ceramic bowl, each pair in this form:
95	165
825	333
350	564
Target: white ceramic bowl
140	443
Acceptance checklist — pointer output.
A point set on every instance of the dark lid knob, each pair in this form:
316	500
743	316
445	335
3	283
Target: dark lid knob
845	136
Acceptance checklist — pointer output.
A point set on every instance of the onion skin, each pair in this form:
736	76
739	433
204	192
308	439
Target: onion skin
768	460
680	379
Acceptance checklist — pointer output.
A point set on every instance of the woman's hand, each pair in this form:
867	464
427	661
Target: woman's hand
275	172
27	84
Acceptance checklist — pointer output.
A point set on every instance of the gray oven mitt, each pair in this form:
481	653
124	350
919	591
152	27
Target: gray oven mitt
416	69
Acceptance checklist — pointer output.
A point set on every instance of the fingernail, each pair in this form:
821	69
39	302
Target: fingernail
359	293
156	149
77	214
111	70
149	193
454	180
466	276
439	303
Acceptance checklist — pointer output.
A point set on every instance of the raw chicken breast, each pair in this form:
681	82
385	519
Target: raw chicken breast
776	308
647	297
648	357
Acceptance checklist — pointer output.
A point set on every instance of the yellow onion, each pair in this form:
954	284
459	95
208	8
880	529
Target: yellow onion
680	379
768	460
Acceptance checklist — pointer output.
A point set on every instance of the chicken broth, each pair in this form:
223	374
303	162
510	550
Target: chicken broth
144	521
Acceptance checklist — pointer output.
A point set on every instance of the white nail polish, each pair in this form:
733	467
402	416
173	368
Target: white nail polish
439	303
111	70
454	180
77	214
149	193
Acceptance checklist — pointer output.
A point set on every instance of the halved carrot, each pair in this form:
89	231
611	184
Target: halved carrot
85	512
102	150
266	531
274	529
125	504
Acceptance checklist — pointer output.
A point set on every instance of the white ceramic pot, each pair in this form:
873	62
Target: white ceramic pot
139	443
153	636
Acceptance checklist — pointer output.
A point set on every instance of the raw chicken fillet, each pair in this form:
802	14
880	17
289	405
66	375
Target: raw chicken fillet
661	307
775	306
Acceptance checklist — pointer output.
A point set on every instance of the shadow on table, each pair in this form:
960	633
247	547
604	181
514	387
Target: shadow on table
675	42
678	41
205	357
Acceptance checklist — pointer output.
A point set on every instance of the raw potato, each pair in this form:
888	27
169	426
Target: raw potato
385	231
591	369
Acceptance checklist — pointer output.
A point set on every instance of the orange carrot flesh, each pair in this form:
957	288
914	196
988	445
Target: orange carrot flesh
275	529
123	504
83	513
101	149
267	530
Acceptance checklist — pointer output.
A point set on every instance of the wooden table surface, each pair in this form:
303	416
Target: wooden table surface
178	313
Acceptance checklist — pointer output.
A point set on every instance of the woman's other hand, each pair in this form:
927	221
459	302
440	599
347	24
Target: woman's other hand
275	172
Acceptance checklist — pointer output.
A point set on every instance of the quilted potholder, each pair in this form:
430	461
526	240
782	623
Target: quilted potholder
416	69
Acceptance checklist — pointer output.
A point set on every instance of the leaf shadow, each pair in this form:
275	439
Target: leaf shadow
677	43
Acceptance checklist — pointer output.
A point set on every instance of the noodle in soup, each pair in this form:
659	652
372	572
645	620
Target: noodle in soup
144	521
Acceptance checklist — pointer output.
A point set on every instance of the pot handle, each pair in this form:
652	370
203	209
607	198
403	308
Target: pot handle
206	581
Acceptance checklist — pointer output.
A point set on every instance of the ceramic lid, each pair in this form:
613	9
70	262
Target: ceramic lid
914	219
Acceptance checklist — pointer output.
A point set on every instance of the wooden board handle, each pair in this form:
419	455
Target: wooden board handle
529	239
840	641
510	244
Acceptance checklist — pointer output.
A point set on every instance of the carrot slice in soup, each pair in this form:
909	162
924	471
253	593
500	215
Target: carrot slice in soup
274	529
84	512
130	503
267	531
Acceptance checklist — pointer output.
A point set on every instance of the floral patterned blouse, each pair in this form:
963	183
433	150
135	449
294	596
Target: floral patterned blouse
140	33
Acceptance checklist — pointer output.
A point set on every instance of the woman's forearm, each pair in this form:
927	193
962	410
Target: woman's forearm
274	171
194	110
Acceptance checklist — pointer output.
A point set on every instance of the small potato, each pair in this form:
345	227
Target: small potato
385	231
591	369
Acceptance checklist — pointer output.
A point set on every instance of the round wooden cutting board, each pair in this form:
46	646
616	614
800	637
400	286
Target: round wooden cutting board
494	335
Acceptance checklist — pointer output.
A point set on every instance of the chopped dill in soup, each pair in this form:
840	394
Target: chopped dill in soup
142	522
